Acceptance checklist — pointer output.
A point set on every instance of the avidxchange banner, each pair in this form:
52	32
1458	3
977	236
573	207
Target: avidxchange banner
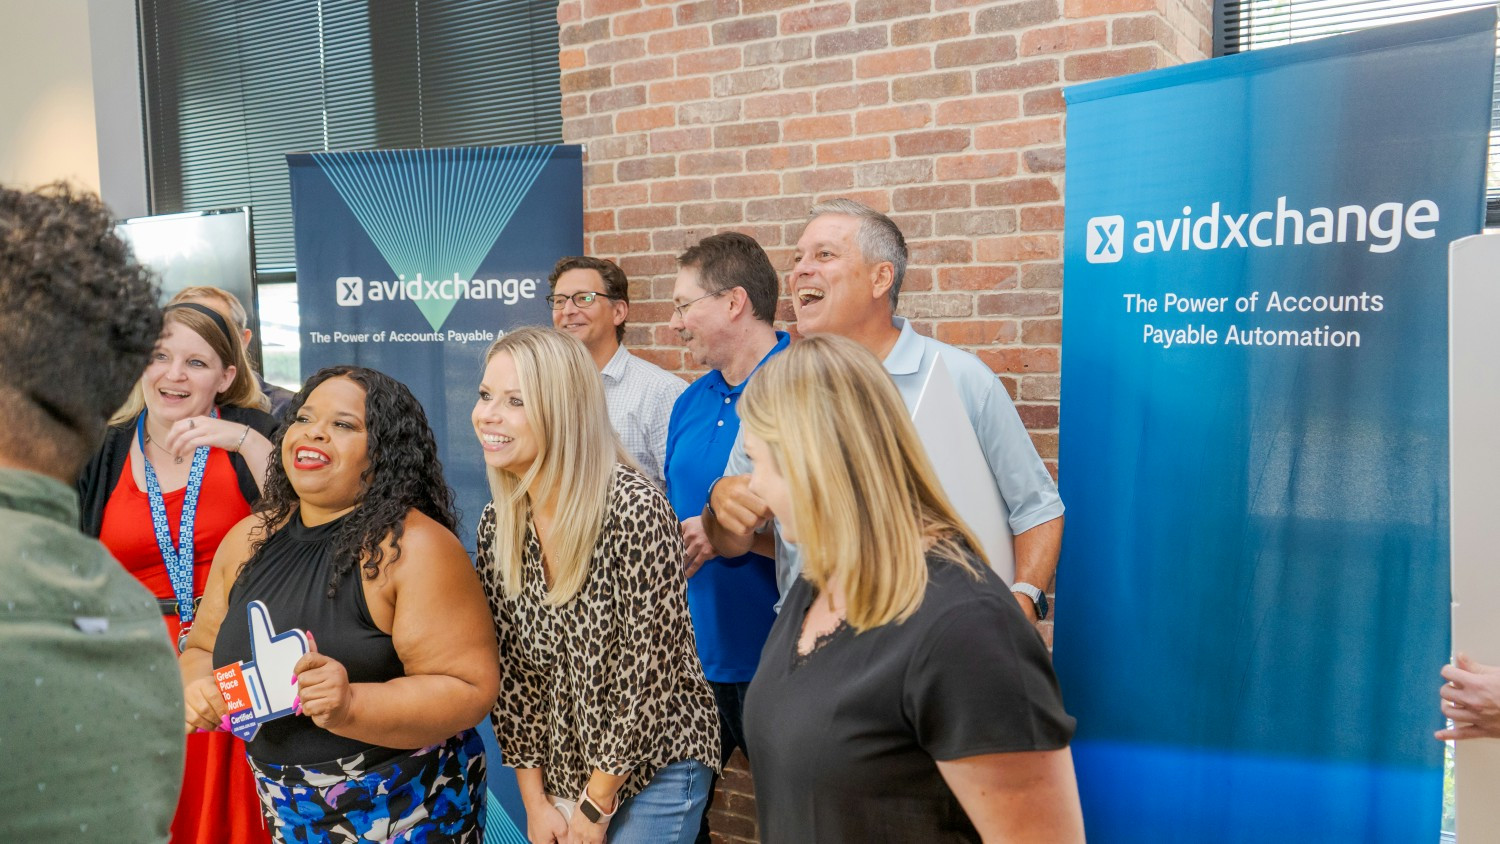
412	262
1254	584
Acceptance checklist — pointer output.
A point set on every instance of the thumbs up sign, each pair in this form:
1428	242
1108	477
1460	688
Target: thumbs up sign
323	686
272	661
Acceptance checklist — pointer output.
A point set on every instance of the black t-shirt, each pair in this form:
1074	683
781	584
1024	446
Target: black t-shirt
842	742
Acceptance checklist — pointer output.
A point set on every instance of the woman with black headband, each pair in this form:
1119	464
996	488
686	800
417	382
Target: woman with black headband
182	463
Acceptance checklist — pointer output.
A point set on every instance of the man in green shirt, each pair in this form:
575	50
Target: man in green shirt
91	711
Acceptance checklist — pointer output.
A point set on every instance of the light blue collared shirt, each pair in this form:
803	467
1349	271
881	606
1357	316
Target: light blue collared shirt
1025	486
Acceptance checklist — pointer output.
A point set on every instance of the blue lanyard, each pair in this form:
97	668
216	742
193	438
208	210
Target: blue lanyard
179	560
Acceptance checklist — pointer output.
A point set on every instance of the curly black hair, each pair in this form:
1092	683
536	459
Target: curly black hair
78	319
404	475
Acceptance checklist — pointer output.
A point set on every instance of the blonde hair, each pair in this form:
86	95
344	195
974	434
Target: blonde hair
577	450
868	504
243	391
229	305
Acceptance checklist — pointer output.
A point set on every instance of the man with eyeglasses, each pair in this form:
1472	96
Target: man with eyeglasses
591	300
724	309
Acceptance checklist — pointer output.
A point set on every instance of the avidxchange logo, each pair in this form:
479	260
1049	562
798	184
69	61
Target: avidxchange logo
352	291
1382	227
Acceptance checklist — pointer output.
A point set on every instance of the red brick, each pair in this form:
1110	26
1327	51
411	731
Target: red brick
570	59
1010	17
939	252
744	29
893	119
598	220
1046	101
1032	247
982	109
1019	133
1012	77
1020	359
863	149
750	7
569	11
778	105
1109	63
1046	444
709	61
880	173
617	98
916	279
644	119
816	17
1134	30
850	41
649	217
746	82
575	105
711	111
975	166
680	90
976	278
681	140
930	198
879	10
668	359
778	158
893	62
819	73
616	50
746	134
701	213
598	174
916	225
681	190
932	142
975	222
613	147
739	187
928	30
575	34
1021	303
1099	8
1071	38
710	163
1041	388
932	86
844	97
816	128
647	21
985	51
1052	160
617	195
585	80
645	70
781	208
706	10
632	169
615	243
934	305
677	40
1042	332
1017	192
1038	415
599	8
1045	218
779	52
978	332
818	180
1046	275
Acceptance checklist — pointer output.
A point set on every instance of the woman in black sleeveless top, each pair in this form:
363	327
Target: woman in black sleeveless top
352	543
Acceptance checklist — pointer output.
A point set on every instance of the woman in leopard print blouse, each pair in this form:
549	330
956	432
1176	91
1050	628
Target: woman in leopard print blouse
603	708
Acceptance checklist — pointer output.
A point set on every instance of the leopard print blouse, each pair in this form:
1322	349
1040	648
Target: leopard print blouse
611	680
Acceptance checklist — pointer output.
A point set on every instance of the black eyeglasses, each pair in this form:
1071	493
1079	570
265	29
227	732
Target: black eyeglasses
582	299
682	309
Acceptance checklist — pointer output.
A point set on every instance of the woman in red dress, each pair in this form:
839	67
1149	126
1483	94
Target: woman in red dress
181	464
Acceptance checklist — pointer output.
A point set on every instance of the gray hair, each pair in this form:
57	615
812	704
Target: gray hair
878	238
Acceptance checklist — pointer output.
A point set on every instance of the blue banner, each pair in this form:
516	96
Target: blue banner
411	262
1254	449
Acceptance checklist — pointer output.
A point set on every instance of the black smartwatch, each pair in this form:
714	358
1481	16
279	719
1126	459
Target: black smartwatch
591	810
1037	596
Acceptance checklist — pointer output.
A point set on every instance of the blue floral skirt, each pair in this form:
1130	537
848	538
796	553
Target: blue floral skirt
434	795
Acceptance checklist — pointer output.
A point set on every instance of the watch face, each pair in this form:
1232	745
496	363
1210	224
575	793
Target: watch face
589	810
1041	606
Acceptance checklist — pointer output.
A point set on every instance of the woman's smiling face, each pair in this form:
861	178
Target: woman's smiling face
326	447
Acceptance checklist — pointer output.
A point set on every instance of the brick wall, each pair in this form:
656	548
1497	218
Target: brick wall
712	115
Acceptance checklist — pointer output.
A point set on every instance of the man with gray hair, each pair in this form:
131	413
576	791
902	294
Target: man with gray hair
847	275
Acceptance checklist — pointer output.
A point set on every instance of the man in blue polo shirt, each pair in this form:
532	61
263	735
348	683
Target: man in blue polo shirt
724	308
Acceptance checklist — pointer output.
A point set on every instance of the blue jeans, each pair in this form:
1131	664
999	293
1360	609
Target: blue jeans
668	810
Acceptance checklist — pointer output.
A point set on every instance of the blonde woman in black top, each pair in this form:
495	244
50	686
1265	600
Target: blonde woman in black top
902	694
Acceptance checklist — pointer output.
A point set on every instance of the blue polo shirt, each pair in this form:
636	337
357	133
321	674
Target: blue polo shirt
732	600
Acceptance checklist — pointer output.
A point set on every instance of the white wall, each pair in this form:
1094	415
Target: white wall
47	128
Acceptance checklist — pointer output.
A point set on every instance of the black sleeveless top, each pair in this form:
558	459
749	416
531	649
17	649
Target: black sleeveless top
291	579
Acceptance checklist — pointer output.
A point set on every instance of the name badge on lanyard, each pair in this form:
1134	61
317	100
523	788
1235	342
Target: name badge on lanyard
179	559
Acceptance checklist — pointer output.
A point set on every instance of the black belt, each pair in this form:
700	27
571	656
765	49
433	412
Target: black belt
168	606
